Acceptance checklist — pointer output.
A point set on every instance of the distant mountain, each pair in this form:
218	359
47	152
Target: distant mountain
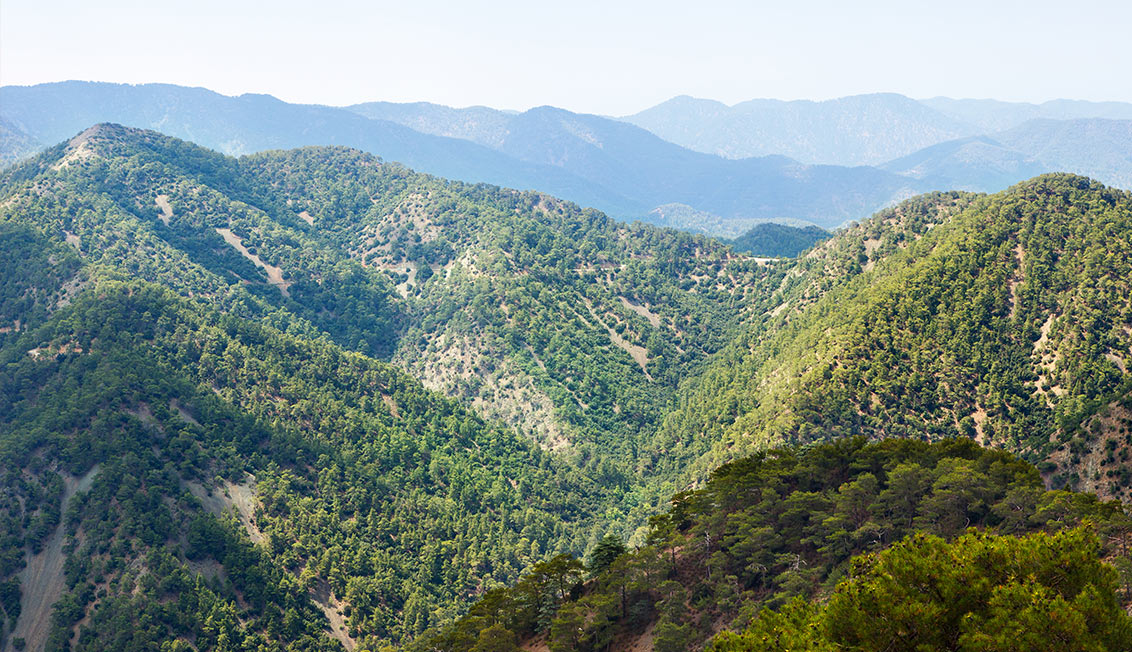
977	163
1099	148
856	130
253	123
993	115
779	240
725	197
15	143
593	161
479	124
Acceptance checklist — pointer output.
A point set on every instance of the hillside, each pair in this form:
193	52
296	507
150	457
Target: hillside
790	525
1097	148
1005	318
976	163
777	240
173	415
309	398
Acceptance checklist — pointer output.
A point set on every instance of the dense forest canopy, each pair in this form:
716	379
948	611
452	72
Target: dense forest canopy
313	400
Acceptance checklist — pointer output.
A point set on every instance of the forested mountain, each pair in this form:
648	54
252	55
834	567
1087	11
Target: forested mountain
310	398
1005	318
790	525
769	239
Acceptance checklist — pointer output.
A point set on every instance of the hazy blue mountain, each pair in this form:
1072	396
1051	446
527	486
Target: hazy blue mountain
15	143
1099	148
856	130
252	123
479	124
594	161
993	115
977	163
721	196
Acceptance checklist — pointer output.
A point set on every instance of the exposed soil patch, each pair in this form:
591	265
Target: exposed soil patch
274	274
73	240
70	289
182	412
42	581
306	217
980	417
236	499
638	353
162	202
641	310
332	608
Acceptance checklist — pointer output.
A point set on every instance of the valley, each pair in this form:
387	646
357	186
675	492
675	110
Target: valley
321	400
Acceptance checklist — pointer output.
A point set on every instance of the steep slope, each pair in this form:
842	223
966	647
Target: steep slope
557	320
1008	321
366	493
15	143
856	130
567	326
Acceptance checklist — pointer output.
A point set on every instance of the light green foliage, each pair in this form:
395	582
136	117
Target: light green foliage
980	592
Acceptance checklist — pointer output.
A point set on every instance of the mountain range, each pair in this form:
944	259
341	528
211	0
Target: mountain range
312	399
819	163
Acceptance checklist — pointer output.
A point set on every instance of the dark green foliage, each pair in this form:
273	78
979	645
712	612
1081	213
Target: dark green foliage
605	553
787	523
389	511
778	240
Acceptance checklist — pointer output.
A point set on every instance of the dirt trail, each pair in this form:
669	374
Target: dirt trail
232	498
166	210
41	581
274	274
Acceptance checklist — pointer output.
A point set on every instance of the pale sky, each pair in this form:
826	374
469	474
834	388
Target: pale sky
605	57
